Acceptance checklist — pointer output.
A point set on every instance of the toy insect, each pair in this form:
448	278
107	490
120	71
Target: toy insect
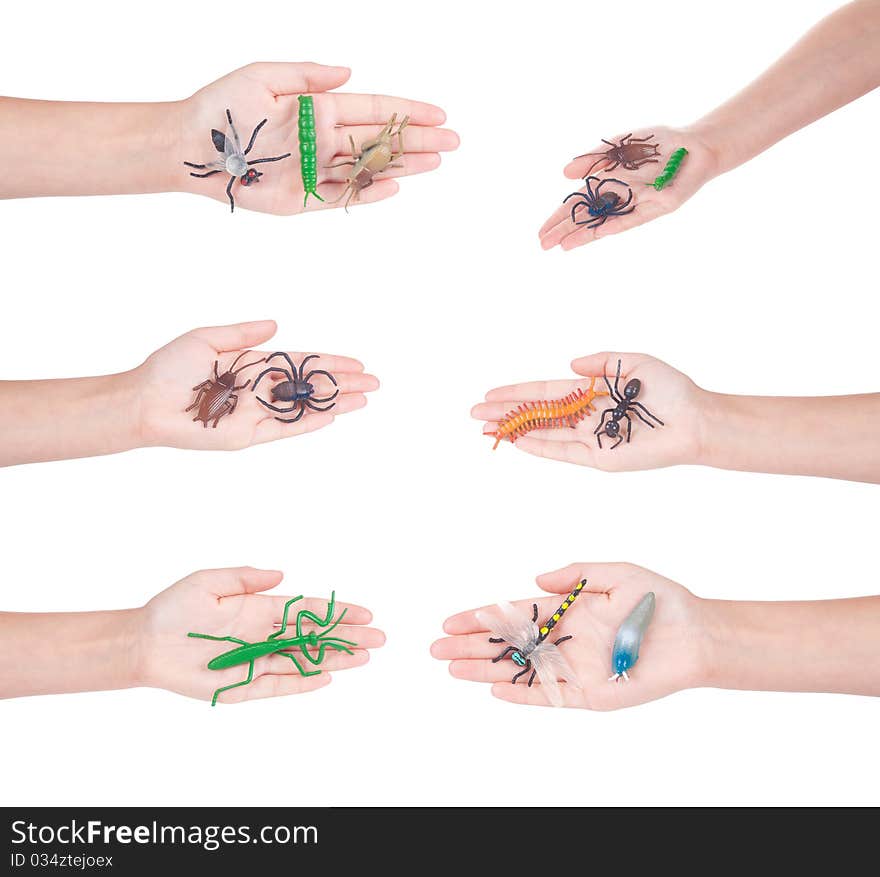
625	403
631	152
234	161
308	154
297	388
629	637
670	170
374	157
216	396
528	647
277	643
600	205
549	414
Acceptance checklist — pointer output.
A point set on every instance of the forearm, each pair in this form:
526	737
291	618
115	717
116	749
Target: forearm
60	148
62	419
58	653
826	646
834	63
833	436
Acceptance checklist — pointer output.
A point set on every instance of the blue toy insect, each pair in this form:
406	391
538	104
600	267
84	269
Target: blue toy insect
600	205
629	637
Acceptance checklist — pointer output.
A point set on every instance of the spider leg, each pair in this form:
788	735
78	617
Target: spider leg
504	654
639	405
596	222
289	362
283	371
272	407
275	158
202	176
302	410
590	192
326	399
254	136
302	365
316	408
320	371
229	195
618	210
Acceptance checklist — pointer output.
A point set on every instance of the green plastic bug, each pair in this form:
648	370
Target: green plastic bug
670	170
308	150
276	643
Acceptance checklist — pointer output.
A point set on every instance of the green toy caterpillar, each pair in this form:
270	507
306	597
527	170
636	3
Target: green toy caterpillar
670	170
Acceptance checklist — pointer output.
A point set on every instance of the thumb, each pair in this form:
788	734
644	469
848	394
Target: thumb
236	580
285	77
236	336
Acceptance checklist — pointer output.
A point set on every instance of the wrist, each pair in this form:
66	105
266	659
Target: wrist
714	146
716	415
128	648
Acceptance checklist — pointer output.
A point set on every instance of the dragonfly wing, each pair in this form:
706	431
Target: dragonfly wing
506	622
220	141
551	666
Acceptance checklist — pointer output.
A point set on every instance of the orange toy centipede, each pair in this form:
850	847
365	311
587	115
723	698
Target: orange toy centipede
547	414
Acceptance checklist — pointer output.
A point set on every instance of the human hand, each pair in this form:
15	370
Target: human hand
270	91
163	390
226	602
699	166
671	658
665	392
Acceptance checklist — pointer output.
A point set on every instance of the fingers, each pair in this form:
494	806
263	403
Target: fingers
297	77
236	580
415	163
237	336
270	430
416	138
469	622
534	696
482	671
645	212
272	610
468	646
576	452
336	194
601	578
596	364
275	686
327	361
535	390
377	109
353	382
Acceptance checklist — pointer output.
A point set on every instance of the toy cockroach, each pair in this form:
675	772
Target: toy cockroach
374	157
277	643
670	170
631	152
234	161
308	154
528	647
547	414
629	637
216	397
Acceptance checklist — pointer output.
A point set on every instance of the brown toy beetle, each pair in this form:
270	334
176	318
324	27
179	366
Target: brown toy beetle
631	152
216	397
374	157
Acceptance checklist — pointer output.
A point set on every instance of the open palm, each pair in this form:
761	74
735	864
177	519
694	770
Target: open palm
270	91
166	379
670	657
228	602
697	169
665	392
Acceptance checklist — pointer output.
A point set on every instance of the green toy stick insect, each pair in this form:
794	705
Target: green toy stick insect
276	643
308	150
670	170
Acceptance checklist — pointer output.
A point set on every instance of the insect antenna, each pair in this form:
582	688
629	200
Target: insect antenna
248	365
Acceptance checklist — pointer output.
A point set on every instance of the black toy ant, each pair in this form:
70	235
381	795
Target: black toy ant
625	403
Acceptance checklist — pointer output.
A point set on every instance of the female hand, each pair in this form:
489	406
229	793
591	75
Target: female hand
699	166
163	389
270	91
225	602
665	392
671	656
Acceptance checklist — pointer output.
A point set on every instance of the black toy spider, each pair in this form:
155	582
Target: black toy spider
296	388
234	162
625	403
600	205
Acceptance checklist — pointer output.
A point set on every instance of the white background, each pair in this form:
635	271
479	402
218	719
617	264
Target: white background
764	283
